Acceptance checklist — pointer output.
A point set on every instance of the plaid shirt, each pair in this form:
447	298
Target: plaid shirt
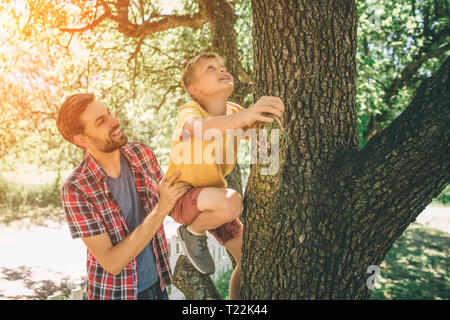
91	210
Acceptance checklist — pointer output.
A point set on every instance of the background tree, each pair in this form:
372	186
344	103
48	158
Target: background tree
399	44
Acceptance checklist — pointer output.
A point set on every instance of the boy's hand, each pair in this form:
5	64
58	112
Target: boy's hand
272	105
169	192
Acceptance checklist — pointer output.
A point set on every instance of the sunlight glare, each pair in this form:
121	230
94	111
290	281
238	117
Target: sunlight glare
167	6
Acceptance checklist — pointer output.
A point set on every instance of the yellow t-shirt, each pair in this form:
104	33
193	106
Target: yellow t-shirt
202	163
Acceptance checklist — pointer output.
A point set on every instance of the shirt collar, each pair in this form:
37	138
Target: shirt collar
98	172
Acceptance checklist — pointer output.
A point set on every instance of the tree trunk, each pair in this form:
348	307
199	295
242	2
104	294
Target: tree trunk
330	210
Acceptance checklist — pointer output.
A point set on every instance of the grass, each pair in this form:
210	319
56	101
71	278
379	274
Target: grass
416	267
444	197
223	283
35	201
34	215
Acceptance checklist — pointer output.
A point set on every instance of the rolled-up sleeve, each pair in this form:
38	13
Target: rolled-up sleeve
83	219
157	168
150	158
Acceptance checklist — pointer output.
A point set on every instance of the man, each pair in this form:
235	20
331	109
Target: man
116	201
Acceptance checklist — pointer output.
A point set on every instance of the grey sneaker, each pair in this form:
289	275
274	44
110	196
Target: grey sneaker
196	249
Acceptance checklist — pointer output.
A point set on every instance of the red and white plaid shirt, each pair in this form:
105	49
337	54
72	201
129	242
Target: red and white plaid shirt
92	210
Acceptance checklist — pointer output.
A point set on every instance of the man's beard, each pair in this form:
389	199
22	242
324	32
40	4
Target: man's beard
109	146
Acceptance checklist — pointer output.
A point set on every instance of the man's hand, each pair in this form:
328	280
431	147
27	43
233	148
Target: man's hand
114	258
169	192
272	105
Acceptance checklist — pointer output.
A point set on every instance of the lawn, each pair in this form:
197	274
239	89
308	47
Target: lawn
417	267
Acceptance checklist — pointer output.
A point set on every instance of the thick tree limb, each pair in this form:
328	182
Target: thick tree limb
194	21
408	72
403	167
411	69
89	26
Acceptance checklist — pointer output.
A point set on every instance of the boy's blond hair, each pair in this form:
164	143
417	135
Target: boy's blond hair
188	75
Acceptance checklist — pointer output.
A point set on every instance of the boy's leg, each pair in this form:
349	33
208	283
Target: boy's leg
207	208
230	236
234	246
204	208
220	209
195	246
217	206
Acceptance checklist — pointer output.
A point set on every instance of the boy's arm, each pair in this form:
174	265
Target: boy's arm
240	120
221	123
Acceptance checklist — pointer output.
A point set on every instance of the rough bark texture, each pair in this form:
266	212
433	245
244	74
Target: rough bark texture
192	283
332	210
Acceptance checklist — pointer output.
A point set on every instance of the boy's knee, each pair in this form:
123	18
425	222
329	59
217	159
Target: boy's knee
233	205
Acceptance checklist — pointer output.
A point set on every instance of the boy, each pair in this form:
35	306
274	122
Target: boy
210	205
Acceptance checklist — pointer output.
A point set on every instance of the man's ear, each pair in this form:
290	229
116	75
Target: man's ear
193	90
80	141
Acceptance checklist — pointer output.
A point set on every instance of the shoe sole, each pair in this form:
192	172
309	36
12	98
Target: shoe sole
189	256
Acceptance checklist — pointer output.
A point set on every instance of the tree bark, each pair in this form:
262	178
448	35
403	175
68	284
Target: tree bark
193	284
332	210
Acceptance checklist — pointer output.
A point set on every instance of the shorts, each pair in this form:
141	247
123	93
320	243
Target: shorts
185	211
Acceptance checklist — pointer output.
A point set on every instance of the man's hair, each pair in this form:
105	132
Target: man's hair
68	120
188	75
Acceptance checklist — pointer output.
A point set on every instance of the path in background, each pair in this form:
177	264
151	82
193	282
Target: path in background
39	260
436	217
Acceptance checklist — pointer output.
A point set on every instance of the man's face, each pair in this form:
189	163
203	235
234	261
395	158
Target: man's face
211	77
102	131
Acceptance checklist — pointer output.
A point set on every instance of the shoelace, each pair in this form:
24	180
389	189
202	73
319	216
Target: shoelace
202	245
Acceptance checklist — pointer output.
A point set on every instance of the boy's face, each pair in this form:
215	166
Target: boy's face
102	130
211	78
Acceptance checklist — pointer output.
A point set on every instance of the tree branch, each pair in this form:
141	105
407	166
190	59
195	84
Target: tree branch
89	26
192	283
391	91
151	27
403	167
161	22
165	96
409	71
